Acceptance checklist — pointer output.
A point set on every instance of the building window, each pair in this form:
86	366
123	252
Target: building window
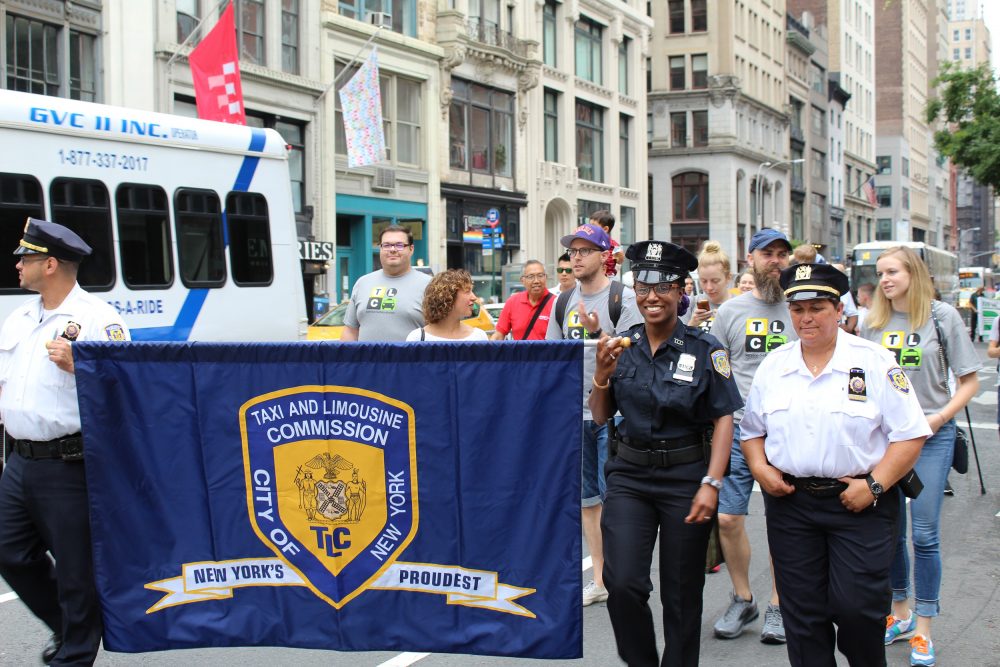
290	36
623	82
401	103
293	133
401	12
906	199
797	227
818	212
818	165
884	195
250	30
624	154
968	52
481	129
699	125
549	29
676	13
188	12
699	16
883	229
954	35
905	167
627	226
676	72
588	51
883	165
678	129
551	126
956	54
818	122
968	34
590	141
690	193
699	71
818	78
36	61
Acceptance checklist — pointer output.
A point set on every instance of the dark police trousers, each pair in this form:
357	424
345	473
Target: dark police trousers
832	567
43	507
640	502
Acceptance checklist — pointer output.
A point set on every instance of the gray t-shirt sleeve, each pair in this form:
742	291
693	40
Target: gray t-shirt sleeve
351	314
630	315
962	357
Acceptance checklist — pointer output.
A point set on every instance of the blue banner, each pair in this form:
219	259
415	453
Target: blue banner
362	497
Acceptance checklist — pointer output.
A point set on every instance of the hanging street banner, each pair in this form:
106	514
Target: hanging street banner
363	497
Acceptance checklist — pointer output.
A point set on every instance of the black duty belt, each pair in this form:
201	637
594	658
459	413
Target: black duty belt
662	458
68	448
820	487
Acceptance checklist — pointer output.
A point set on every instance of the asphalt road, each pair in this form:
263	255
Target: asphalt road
967	633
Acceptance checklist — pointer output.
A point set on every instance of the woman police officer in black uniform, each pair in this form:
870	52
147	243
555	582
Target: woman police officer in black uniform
673	386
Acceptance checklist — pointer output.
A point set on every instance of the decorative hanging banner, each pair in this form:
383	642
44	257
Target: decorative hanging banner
361	101
368	497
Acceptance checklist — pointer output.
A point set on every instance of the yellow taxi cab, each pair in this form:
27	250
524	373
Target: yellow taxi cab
330	325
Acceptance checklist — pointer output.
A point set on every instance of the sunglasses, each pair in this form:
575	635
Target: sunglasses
564	269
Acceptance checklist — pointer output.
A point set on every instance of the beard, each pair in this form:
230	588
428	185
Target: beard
768	287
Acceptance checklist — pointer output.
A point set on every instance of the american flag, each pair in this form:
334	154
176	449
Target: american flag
868	190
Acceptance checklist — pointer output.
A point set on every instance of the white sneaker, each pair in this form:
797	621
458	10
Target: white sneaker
593	593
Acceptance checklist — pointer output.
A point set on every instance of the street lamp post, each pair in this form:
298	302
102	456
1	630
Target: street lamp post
962	254
766	167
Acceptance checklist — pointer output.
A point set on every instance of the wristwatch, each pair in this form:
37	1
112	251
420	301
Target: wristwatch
875	488
594	334
711	481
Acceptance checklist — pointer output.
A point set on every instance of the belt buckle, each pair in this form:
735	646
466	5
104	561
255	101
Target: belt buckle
71	449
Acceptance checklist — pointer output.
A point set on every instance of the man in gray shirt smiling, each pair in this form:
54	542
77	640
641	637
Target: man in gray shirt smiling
386	305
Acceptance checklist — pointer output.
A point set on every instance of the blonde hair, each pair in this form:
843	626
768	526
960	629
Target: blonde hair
711	255
441	293
918	296
805	253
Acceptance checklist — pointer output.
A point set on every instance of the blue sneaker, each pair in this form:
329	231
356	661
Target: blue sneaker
921	651
899	628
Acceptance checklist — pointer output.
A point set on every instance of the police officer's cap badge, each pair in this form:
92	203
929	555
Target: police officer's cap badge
803	272
720	361
654	252
898	380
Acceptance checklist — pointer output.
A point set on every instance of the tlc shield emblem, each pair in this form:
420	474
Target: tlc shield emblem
331	481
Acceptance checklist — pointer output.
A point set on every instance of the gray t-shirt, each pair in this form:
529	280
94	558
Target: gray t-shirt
749	328
572	329
917	352
387	308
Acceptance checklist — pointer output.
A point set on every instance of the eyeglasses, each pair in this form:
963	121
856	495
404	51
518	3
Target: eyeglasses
564	269
534	276
582	252
661	288
399	247
30	260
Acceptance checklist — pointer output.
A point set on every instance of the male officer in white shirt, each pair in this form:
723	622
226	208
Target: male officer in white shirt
43	490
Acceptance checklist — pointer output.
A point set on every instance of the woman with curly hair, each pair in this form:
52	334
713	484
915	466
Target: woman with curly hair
448	300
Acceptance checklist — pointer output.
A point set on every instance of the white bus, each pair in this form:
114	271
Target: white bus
942	265
191	221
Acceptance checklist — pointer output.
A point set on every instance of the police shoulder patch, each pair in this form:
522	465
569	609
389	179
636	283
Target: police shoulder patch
720	361
114	332
898	380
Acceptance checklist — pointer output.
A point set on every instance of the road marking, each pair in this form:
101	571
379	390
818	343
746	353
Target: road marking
982	425
986	398
588	563
7	597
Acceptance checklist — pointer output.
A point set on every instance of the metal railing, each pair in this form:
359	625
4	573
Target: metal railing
490	34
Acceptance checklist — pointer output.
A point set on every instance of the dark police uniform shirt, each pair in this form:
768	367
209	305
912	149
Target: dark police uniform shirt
674	393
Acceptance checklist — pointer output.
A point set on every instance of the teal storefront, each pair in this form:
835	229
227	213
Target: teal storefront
359	221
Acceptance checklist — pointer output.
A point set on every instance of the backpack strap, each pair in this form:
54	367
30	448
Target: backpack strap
615	303
561	304
422	334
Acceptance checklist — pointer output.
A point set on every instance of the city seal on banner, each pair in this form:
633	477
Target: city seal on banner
331	481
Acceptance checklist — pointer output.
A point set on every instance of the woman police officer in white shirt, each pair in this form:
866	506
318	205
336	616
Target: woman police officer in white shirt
831	425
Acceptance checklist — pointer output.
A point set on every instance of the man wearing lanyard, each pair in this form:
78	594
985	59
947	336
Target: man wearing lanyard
43	490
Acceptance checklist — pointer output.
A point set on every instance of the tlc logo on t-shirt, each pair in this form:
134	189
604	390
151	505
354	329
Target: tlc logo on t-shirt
905	347
382	299
764	335
574	327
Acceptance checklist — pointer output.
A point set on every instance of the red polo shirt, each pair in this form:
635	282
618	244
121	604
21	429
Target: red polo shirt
517	313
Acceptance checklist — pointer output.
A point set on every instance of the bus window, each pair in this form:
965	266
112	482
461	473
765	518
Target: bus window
199	238
249	238
20	199
83	205
144	236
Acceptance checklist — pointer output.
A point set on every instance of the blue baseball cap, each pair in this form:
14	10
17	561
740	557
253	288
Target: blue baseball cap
766	237
591	233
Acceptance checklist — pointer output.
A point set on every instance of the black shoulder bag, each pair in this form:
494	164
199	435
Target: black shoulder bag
534	318
960	459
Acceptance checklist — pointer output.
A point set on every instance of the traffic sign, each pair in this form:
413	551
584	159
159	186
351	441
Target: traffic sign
493	217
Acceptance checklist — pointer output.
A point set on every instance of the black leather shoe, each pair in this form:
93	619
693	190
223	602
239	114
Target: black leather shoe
51	648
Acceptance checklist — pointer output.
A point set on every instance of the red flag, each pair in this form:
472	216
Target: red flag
215	70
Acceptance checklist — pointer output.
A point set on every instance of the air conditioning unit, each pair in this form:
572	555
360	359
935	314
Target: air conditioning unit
380	19
385	179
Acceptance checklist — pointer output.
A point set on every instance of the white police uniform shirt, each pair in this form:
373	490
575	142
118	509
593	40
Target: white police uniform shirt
37	398
831	425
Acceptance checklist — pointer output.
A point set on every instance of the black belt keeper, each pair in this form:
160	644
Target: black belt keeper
69	448
661	458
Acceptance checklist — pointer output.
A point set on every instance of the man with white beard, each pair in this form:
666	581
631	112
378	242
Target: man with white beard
749	326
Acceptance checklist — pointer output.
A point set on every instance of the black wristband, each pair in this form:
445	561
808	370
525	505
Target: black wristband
594	334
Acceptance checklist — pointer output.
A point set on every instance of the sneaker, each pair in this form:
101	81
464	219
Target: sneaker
593	593
773	631
921	651
899	628
948	491
739	614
